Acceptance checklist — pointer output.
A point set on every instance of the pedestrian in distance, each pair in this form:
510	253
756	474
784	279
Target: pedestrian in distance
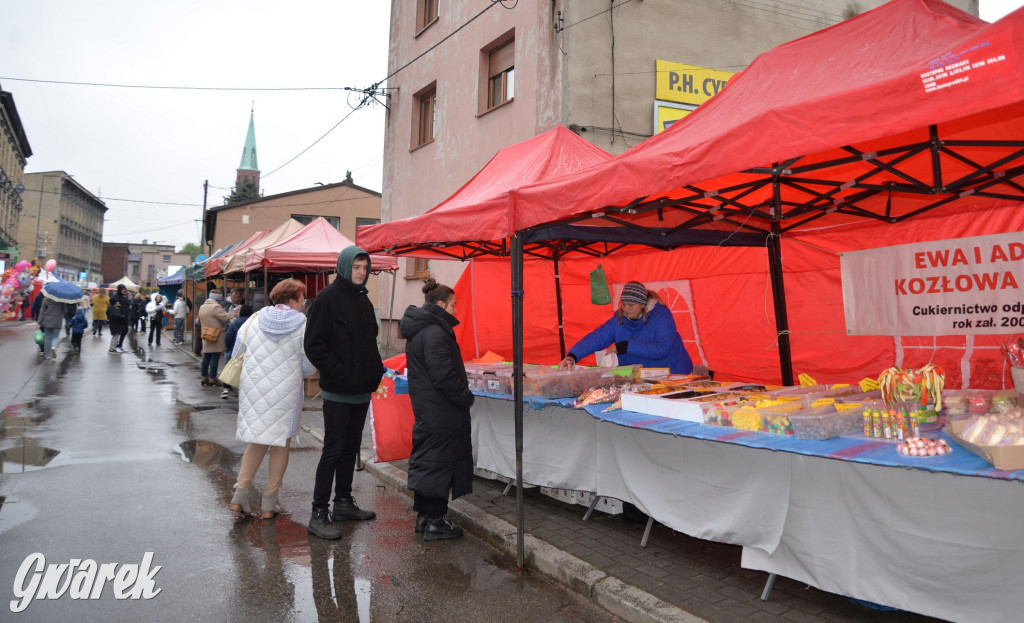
214	321
442	445
138	310
155	311
233	301
180	312
201	294
69	313
51	318
79	324
118	311
341	341
34	310
229	340
270	392
100	302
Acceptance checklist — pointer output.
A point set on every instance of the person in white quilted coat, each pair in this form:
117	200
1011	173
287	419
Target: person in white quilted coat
270	393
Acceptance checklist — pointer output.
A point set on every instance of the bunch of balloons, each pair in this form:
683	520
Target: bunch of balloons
18	282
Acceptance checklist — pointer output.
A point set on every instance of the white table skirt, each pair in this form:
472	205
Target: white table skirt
558	444
937	544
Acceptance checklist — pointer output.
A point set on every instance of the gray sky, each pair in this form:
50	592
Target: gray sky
156	146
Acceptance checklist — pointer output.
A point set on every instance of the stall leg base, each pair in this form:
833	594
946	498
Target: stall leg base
590	510
768	587
647	532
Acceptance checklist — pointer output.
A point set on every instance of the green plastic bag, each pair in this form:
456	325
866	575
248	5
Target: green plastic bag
39	337
599	292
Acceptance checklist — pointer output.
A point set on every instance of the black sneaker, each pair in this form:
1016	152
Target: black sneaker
320	525
421	523
345	509
439	528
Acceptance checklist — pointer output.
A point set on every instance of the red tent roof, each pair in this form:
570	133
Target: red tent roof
912	76
481	210
314	247
212	266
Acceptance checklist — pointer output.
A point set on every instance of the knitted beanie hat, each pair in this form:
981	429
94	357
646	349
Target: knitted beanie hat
634	292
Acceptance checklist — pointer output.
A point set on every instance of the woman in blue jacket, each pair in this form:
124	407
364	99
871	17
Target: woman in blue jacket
641	331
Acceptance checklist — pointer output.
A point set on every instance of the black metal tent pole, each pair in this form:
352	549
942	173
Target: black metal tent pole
517	388
558	307
778	286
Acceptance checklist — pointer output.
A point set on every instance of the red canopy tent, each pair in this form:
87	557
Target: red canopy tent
212	266
313	248
479	218
909	108
915	107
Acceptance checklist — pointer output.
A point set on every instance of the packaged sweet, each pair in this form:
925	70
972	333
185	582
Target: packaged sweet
1014	350
597	395
996	429
1002	401
955	401
923	447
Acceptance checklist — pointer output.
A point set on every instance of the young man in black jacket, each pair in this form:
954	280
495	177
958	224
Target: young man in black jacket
341	341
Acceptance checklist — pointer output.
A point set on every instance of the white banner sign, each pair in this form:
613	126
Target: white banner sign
947	287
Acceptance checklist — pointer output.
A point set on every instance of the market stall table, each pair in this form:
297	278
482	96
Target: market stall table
849	515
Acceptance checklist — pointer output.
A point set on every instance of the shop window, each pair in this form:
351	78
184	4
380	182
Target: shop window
417	268
425	122
501	74
426	13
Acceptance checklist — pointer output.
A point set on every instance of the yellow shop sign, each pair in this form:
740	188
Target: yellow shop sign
688	84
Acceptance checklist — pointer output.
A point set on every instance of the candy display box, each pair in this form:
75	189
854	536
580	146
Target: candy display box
673	405
1008	458
826	422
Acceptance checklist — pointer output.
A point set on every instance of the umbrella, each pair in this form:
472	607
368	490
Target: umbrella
62	291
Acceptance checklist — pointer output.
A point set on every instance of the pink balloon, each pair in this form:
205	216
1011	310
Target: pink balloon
22	265
50	265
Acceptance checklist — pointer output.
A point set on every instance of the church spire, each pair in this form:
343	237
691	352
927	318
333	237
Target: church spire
248	169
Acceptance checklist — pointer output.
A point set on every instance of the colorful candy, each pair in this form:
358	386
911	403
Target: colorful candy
923	447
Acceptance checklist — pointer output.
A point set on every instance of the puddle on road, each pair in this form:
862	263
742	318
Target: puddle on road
26	456
20	450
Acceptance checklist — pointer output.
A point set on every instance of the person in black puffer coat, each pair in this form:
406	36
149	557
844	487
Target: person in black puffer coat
442	444
341	341
118	313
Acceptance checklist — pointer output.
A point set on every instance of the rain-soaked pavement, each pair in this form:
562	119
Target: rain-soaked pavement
108	457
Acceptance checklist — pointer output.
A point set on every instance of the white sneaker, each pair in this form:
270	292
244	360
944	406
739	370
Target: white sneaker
118	350
53	352
225	393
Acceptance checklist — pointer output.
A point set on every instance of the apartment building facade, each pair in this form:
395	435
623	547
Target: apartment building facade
62	221
14	153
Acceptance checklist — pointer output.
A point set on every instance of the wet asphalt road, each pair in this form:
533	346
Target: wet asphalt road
109	457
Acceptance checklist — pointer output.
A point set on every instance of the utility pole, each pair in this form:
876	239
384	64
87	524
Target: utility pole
202	243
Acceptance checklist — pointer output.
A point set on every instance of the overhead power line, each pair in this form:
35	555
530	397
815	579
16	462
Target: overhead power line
169	87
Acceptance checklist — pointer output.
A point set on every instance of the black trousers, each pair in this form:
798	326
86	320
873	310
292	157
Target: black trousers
343	434
431	507
154	327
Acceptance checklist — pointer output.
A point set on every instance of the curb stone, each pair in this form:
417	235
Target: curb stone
628	602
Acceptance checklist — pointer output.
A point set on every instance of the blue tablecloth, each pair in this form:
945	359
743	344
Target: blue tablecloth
850	448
